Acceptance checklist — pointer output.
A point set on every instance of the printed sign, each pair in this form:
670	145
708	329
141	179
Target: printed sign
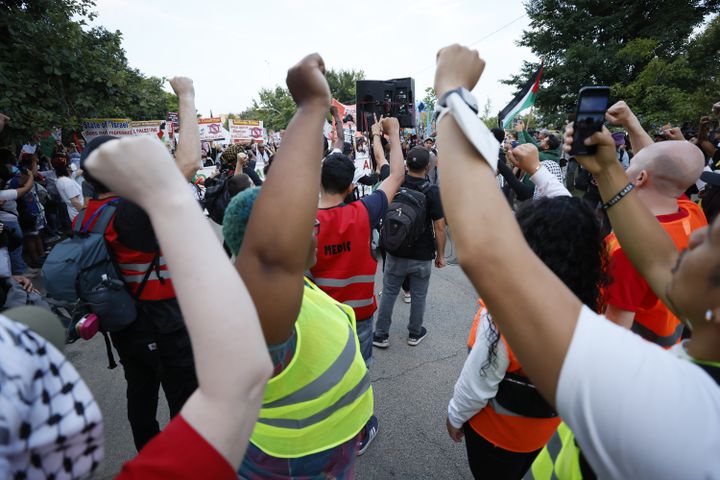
244	131
95	127
210	129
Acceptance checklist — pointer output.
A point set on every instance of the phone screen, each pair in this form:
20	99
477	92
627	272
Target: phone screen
589	117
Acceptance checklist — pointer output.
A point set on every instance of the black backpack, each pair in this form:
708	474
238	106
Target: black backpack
217	198
405	220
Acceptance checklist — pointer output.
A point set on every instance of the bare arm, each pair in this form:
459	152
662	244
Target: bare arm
472	203
339	132
620	114
269	267
378	152
440	239
621	317
75	202
4	119
26	187
187	154
643	239
224	408
392	183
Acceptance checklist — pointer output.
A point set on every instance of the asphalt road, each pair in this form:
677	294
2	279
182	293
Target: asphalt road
412	386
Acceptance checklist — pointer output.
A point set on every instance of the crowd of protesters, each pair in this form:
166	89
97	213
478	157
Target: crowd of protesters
615	377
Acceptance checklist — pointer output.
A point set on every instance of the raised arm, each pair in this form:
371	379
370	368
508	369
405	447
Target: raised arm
620	114
224	408
484	229
643	239
4	119
391	128
703	141
339	142
187	154
527	159
274	252
27	186
378	151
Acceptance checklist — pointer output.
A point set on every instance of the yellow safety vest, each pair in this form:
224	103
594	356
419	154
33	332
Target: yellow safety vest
323	398
559	459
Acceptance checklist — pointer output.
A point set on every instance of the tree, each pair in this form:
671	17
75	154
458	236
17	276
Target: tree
595	42
430	99
678	89
342	84
53	72
275	107
491	121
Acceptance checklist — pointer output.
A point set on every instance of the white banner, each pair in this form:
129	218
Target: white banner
210	129
95	127
245	131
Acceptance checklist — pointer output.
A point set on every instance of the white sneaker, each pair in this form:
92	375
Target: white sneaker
406	297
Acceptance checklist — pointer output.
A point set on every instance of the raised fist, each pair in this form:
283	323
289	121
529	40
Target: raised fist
137	168
182	86
334	111
619	114
390	126
519	126
457	66
4	119
674	133
307	84
526	157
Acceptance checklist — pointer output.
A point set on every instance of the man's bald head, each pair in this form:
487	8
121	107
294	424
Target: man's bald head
672	166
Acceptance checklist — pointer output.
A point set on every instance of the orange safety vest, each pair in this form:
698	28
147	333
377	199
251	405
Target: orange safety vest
134	265
654	321
508	430
345	268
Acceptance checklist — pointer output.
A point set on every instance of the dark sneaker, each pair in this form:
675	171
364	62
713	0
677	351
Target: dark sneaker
416	339
381	341
370	430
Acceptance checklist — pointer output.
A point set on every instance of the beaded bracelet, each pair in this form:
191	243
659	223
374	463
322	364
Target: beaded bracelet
618	197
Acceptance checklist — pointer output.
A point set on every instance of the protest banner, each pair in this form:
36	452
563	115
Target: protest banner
95	127
174	118
210	129
245	131
349	128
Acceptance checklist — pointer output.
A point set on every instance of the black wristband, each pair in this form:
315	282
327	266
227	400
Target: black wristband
618	197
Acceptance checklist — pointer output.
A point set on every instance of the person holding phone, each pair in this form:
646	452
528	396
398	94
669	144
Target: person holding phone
582	364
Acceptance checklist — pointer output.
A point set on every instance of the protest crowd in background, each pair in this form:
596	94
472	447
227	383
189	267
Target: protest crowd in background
616	377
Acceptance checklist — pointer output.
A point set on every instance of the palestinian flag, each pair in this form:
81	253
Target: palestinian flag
524	99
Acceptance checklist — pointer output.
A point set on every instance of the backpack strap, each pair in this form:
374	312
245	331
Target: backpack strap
77	225
154	265
105	214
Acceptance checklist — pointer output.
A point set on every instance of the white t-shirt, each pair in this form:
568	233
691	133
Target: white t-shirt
638	411
68	188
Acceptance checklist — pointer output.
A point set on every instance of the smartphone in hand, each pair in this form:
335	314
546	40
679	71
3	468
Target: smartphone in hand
589	117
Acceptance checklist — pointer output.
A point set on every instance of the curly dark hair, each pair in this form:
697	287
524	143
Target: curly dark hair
565	234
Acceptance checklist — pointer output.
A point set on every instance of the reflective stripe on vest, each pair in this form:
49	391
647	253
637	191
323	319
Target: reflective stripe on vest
343	282
140	267
165	275
559	459
344	401
323	397
663	341
360	303
502	410
330	378
345	267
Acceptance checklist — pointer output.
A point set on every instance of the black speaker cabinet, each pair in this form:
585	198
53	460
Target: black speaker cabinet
388	98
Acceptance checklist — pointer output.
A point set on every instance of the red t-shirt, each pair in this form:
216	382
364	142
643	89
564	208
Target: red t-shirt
629	290
178	452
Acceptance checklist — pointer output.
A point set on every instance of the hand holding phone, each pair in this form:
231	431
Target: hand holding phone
589	117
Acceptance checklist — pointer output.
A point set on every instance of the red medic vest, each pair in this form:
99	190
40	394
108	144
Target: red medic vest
345	267
133	265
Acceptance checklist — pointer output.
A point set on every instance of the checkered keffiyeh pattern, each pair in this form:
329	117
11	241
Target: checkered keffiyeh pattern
50	425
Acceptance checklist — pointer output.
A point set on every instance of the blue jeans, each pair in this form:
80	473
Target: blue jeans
16	258
418	272
365	335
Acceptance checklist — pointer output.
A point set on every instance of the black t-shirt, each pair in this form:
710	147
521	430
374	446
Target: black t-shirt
424	248
134	228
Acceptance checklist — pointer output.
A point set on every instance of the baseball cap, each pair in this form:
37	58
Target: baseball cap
90	147
417	158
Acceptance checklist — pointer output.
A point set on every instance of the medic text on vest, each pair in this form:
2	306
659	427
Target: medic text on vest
337	249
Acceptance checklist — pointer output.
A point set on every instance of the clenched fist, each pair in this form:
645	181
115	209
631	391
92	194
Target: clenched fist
619	114
307	84
182	86
457	66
